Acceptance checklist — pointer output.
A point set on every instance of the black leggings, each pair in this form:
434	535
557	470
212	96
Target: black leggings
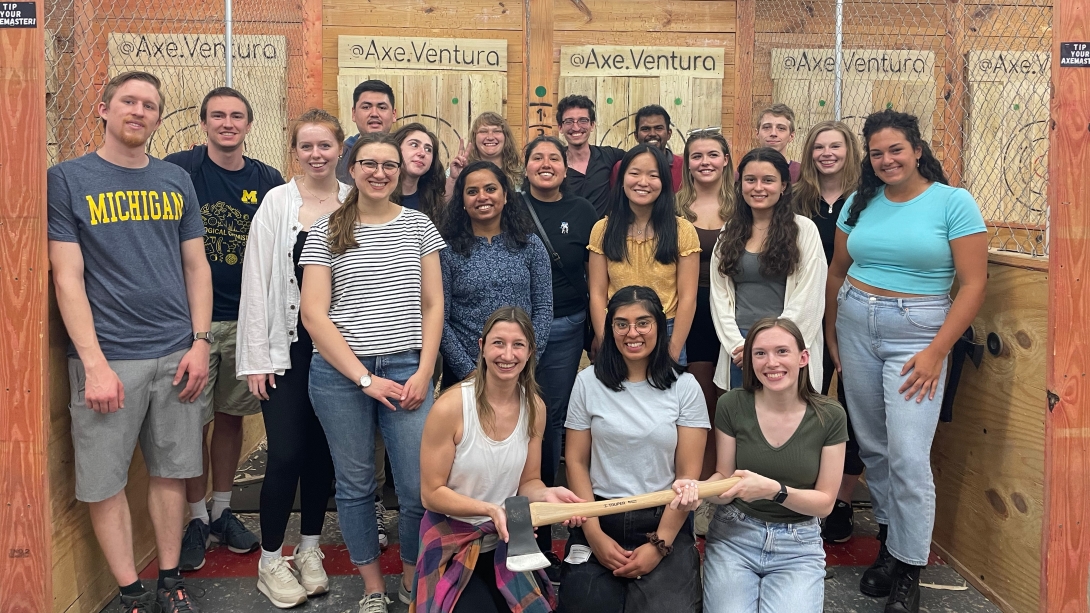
298	451
481	594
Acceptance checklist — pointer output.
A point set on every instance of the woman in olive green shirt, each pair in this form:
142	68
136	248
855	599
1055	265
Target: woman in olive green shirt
786	442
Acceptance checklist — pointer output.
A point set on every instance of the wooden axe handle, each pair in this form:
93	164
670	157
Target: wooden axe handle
547	513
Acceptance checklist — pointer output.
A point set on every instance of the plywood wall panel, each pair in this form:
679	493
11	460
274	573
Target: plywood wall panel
462	15
618	15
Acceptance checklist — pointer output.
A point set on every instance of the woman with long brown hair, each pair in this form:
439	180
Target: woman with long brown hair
490	140
423	180
373	302
483	442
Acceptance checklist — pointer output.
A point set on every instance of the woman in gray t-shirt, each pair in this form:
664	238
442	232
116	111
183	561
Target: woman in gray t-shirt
635	424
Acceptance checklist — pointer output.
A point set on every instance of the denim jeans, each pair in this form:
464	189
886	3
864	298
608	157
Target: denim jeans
736	370
673	585
349	418
683	357
753	565
877	336
556	375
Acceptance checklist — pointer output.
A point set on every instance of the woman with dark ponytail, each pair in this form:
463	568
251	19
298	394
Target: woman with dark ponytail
901	240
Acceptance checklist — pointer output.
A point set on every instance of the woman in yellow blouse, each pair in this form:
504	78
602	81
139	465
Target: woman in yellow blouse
643	242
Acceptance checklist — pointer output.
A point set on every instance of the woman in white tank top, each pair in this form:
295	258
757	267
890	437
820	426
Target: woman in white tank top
481	445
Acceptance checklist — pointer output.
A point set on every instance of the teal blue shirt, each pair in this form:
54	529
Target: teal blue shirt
905	246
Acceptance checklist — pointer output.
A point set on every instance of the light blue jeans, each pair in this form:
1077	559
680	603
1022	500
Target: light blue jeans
877	336
762	567
682	358
349	418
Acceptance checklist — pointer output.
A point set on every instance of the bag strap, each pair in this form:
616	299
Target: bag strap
553	255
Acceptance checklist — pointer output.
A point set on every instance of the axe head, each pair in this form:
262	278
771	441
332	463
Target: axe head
522	551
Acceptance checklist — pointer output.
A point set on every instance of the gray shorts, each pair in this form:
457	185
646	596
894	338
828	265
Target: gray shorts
168	429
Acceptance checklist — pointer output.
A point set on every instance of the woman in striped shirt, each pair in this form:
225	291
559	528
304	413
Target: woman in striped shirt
372	300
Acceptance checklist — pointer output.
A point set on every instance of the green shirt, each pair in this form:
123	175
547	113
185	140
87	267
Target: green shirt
795	463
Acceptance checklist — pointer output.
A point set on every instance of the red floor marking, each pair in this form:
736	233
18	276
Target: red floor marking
219	563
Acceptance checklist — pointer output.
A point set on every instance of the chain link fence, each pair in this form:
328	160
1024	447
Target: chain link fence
184	44
976	74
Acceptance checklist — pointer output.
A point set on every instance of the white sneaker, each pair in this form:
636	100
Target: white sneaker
374	603
380	515
311	573
278	582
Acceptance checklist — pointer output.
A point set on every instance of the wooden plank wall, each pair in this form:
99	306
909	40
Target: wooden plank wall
989	462
25	552
1066	547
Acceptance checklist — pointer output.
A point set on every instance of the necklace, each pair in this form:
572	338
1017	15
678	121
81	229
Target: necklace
644	229
321	201
756	227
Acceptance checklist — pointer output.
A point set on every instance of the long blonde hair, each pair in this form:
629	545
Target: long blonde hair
808	187
509	155
527	382
342	222
686	196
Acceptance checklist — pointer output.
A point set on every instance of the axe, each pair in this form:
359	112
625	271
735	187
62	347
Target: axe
523	516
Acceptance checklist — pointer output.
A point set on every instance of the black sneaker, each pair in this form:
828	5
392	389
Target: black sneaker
194	542
175	598
230	531
143	603
877	581
839	524
553	569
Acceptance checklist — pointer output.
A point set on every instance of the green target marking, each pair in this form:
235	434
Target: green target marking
454	101
677	101
540	91
889	105
609	100
821	103
1016	107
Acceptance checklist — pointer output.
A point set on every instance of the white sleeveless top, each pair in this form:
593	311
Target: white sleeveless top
485	469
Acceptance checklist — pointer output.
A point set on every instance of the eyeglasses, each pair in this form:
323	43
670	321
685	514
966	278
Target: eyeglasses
643	326
582	121
372	165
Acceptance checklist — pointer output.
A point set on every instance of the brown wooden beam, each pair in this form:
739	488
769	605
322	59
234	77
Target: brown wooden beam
541	102
744	42
1066	538
953	91
312	53
25	553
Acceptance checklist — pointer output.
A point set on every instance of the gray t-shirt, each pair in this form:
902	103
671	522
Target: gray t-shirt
634	431
757	296
130	224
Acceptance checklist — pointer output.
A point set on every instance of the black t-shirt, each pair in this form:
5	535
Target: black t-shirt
229	199
825	220
567	223
594	185
412	201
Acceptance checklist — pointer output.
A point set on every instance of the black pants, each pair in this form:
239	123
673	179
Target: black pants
853	464
481	594
673	586
298	453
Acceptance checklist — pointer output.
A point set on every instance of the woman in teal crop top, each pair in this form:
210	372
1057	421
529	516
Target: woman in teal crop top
901	239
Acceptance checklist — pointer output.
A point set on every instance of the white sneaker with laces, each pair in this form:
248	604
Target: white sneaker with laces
380	515
374	603
311	572
279	583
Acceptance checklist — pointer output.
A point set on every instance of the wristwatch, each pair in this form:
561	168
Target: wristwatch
365	381
781	495
204	336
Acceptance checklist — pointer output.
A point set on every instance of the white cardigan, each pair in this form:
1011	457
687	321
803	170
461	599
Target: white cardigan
268	313
803	303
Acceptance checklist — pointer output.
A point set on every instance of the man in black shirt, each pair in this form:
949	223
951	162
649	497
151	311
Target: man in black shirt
230	187
589	166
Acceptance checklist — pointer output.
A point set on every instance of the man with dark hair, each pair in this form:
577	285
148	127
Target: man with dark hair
229	186
588	165
126	245
653	127
372	111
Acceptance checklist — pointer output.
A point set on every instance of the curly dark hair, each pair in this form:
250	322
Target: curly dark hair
515	224
780	255
610	367
930	168
663	213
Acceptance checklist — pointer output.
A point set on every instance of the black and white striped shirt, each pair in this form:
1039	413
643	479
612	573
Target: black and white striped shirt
376	286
